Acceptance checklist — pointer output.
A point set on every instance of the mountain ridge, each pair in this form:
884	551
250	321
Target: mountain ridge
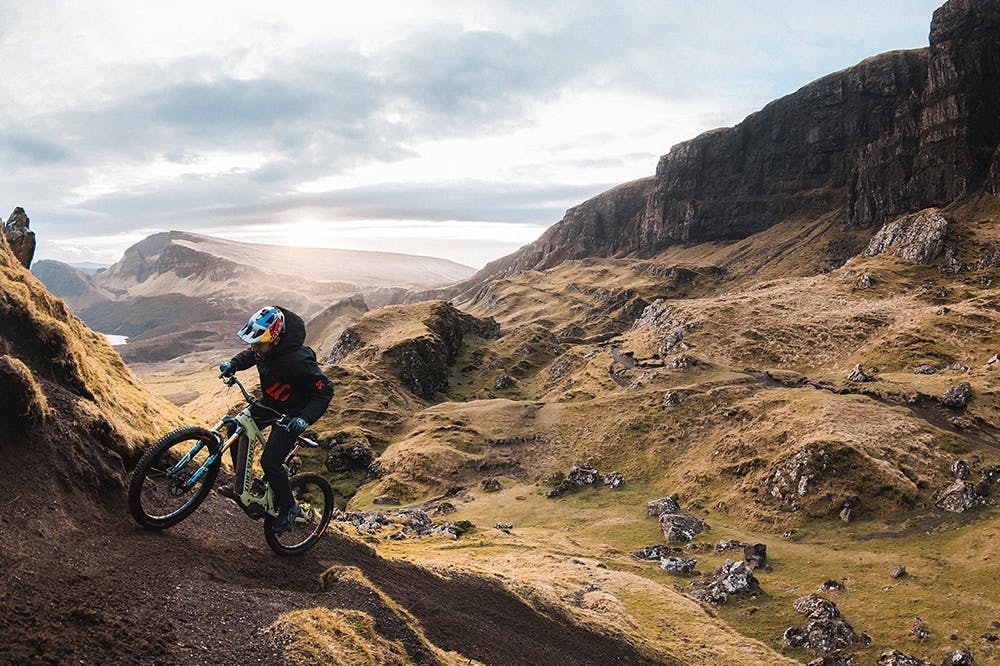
177	292
896	133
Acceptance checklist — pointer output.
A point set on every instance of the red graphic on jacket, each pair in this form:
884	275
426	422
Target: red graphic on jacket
279	391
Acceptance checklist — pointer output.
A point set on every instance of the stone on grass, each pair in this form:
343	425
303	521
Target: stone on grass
658	507
681	526
957	396
897	658
678	564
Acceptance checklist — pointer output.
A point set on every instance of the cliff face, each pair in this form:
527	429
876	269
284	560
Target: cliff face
894	134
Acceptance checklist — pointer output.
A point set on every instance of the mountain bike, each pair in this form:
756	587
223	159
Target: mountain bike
176	474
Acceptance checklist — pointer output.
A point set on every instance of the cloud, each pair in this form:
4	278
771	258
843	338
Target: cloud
195	113
32	149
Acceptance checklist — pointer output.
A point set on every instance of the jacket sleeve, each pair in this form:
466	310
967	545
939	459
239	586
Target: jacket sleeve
245	359
317	385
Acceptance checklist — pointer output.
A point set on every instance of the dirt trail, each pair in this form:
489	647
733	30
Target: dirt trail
206	590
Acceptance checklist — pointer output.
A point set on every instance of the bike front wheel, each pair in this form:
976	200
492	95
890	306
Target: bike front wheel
315	500
173	477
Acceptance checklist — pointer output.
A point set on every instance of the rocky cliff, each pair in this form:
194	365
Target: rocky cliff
19	237
896	133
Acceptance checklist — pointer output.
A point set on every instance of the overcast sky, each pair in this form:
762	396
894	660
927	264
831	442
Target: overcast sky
455	129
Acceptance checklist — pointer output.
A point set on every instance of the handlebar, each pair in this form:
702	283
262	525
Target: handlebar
282	419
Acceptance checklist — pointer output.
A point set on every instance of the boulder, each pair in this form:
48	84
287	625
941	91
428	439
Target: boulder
349	457
490	485
961	470
672	399
920	630
728	544
729	579
957	396
579	476
824	635
793	478
857	374
897	658
990	475
414	519
959	658
658	507
678	564
924	370
681	526
444	508
683	361
613	480
503	382
755	555
958	497
816	607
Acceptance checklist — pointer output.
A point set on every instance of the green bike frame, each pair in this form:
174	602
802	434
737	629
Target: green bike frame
254	496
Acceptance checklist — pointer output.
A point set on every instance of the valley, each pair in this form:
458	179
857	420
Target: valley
742	411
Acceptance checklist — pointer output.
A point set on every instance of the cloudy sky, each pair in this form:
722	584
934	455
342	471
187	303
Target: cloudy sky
457	129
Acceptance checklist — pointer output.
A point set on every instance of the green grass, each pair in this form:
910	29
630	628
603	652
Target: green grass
950	583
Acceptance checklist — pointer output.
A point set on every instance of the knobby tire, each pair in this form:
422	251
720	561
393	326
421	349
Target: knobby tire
148	475
302	537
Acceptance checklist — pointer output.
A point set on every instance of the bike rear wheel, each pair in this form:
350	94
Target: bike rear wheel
173	477
315	499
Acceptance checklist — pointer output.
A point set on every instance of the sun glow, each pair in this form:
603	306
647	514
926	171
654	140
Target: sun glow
472	243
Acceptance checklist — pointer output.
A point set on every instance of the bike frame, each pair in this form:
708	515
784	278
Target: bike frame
256	505
243	482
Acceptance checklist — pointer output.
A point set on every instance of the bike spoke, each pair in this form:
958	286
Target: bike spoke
173	481
311	520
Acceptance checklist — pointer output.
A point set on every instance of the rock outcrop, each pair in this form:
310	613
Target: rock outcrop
20	238
415	343
895	134
918	238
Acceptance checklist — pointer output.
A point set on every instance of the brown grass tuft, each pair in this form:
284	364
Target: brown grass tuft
337	636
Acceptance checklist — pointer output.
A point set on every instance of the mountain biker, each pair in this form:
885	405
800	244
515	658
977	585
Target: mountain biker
292	383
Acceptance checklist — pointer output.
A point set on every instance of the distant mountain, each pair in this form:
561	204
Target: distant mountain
72	285
88	267
178	292
892	135
306	279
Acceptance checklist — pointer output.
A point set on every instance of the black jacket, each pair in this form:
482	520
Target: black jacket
290	377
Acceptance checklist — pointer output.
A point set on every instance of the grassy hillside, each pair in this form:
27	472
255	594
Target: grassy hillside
719	374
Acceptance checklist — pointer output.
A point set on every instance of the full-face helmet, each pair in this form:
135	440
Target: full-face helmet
265	326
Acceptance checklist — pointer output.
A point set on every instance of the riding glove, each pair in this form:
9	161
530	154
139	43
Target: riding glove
296	426
226	369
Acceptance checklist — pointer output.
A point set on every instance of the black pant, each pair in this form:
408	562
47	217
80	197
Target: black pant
276	449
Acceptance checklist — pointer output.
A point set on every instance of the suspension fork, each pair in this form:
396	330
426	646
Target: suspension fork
203	469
